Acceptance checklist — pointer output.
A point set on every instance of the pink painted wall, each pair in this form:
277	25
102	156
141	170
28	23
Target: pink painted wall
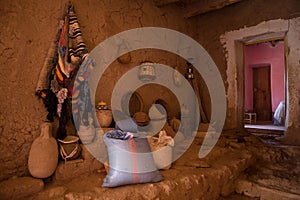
265	55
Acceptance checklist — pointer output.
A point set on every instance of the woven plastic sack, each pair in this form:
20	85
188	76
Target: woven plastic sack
128	125
130	162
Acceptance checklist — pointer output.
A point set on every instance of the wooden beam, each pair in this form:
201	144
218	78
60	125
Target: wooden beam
195	86
205	6
160	3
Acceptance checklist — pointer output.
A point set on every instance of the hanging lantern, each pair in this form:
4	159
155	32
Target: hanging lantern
147	71
189	71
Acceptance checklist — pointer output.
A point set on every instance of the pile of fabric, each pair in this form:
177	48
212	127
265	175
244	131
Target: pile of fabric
279	114
57	77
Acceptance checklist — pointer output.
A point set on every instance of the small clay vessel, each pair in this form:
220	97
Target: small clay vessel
104	117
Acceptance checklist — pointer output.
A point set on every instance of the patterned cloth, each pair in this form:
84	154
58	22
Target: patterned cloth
70	52
82	106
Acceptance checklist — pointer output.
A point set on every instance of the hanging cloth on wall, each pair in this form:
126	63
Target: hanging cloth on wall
83	108
69	52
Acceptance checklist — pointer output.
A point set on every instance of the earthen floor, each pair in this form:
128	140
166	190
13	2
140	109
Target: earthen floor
234	159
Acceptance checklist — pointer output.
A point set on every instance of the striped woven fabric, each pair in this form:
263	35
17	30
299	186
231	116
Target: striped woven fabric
71	47
77	47
60	72
69	52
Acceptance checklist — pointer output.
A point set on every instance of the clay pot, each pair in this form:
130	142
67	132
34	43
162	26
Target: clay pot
86	134
141	118
104	117
125	59
43	155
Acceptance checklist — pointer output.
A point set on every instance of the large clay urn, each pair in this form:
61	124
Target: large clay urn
43	155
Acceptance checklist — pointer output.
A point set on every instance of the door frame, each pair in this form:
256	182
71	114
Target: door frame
240	44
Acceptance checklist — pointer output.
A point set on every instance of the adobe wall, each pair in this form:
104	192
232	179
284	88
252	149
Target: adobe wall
27	28
211	27
293	74
291	29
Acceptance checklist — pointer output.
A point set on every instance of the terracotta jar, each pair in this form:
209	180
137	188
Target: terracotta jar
43	155
104	117
125	58
141	118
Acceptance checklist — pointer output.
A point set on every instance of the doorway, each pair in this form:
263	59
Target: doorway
262	93
135	103
264	79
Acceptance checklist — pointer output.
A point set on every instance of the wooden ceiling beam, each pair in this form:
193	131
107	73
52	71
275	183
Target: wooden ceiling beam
160	3
205	6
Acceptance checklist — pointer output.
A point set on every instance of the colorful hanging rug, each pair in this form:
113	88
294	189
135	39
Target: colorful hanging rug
57	77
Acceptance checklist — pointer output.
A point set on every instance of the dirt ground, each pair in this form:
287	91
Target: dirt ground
214	177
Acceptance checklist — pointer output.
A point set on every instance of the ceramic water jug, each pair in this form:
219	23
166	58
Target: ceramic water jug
43	155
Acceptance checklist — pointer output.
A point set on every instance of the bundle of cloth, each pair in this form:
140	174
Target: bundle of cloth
279	114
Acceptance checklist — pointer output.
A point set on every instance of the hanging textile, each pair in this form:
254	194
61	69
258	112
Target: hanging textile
69	52
83	108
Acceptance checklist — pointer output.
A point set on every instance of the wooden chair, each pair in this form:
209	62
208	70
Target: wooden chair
250	118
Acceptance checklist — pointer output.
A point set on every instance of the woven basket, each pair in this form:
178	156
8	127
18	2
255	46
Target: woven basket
69	148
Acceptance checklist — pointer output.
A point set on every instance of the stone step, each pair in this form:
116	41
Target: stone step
255	190
264	132
20	187
67	170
